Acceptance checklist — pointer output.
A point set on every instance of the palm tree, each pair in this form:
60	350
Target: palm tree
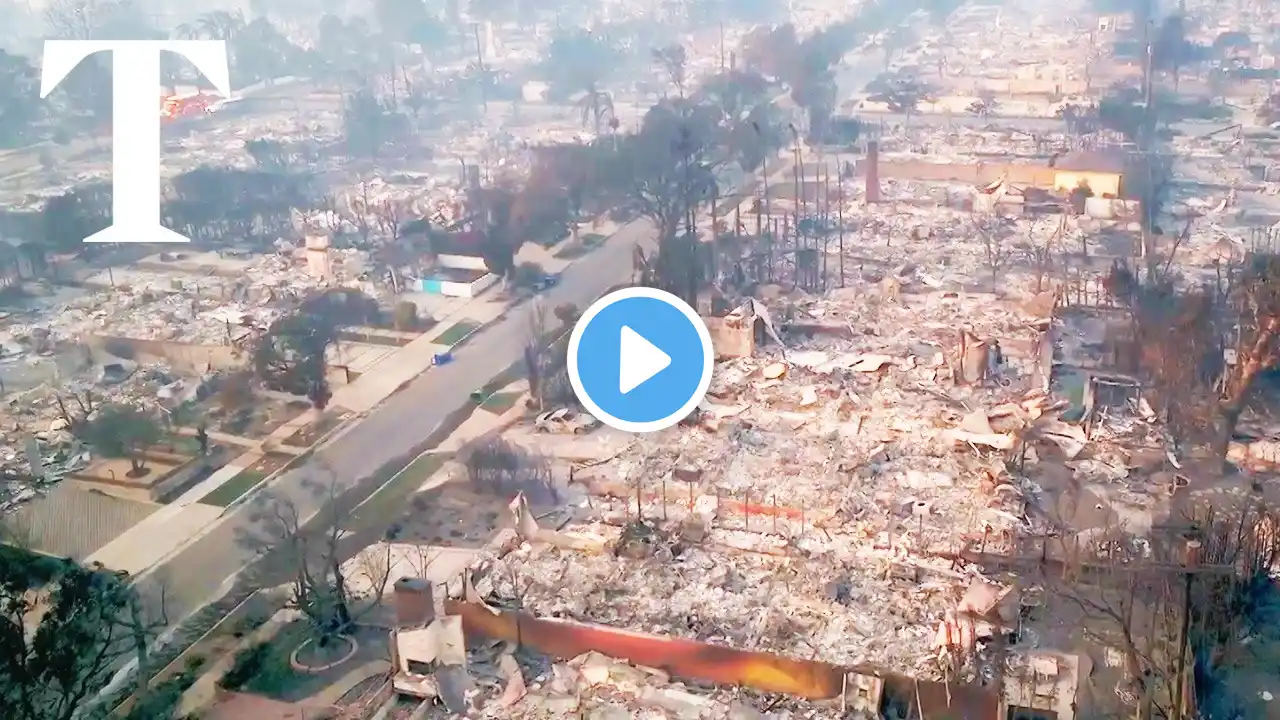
264	53
596	106
216	25
221	24
734	92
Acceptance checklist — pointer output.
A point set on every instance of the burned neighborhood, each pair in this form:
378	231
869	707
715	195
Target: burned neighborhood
948	385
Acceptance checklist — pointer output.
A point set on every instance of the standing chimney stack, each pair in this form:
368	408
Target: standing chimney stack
873	171
414	603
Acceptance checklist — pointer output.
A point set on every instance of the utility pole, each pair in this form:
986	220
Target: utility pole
840	213
1190	560
826	218
1146	127
796	168
689	291
713	271
722	46
764	176
773	239
484	76
759	218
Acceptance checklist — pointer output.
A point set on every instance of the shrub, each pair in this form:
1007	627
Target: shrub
529	274
162	700
405	316
566	313
248	663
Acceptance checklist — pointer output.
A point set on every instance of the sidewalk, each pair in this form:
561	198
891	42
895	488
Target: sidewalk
185	518
169	528
413	359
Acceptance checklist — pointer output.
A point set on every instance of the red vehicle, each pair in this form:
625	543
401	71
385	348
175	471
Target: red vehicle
179	106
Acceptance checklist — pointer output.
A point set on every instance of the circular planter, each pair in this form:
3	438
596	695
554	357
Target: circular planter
352	646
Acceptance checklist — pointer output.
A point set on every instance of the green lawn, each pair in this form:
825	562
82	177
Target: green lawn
498	403
233	489
586	243
456	332
184	444
390	501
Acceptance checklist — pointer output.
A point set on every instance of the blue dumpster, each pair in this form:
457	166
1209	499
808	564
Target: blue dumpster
442	358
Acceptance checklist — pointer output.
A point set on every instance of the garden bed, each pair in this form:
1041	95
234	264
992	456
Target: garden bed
266	668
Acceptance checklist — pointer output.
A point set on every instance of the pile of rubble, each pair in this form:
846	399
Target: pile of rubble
34	424
148	315
813	482
600	687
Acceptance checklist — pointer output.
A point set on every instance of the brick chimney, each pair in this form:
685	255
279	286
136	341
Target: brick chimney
873	171
414	604
319	262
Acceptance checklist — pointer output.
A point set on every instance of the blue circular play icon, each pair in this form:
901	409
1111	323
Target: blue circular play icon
640	359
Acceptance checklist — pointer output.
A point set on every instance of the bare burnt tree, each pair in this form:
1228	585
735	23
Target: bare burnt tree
310	552
235	390
1042	253
547	356
75	419
388	217
673	173
535	350
1245	543
292	355
1206	351
503	468
363	212
1178	347
1256	307
993	231
1232	614
1102	581
673	60
93	19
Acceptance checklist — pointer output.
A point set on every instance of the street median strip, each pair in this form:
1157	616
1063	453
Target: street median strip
457	332
388	501
233	489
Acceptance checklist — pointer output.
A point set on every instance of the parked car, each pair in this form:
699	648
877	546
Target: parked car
565	421
547	281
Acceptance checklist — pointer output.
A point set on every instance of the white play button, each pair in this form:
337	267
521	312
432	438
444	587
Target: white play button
639	360
640	336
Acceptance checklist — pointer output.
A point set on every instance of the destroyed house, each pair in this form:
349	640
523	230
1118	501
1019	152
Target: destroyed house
466	243
1102	173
